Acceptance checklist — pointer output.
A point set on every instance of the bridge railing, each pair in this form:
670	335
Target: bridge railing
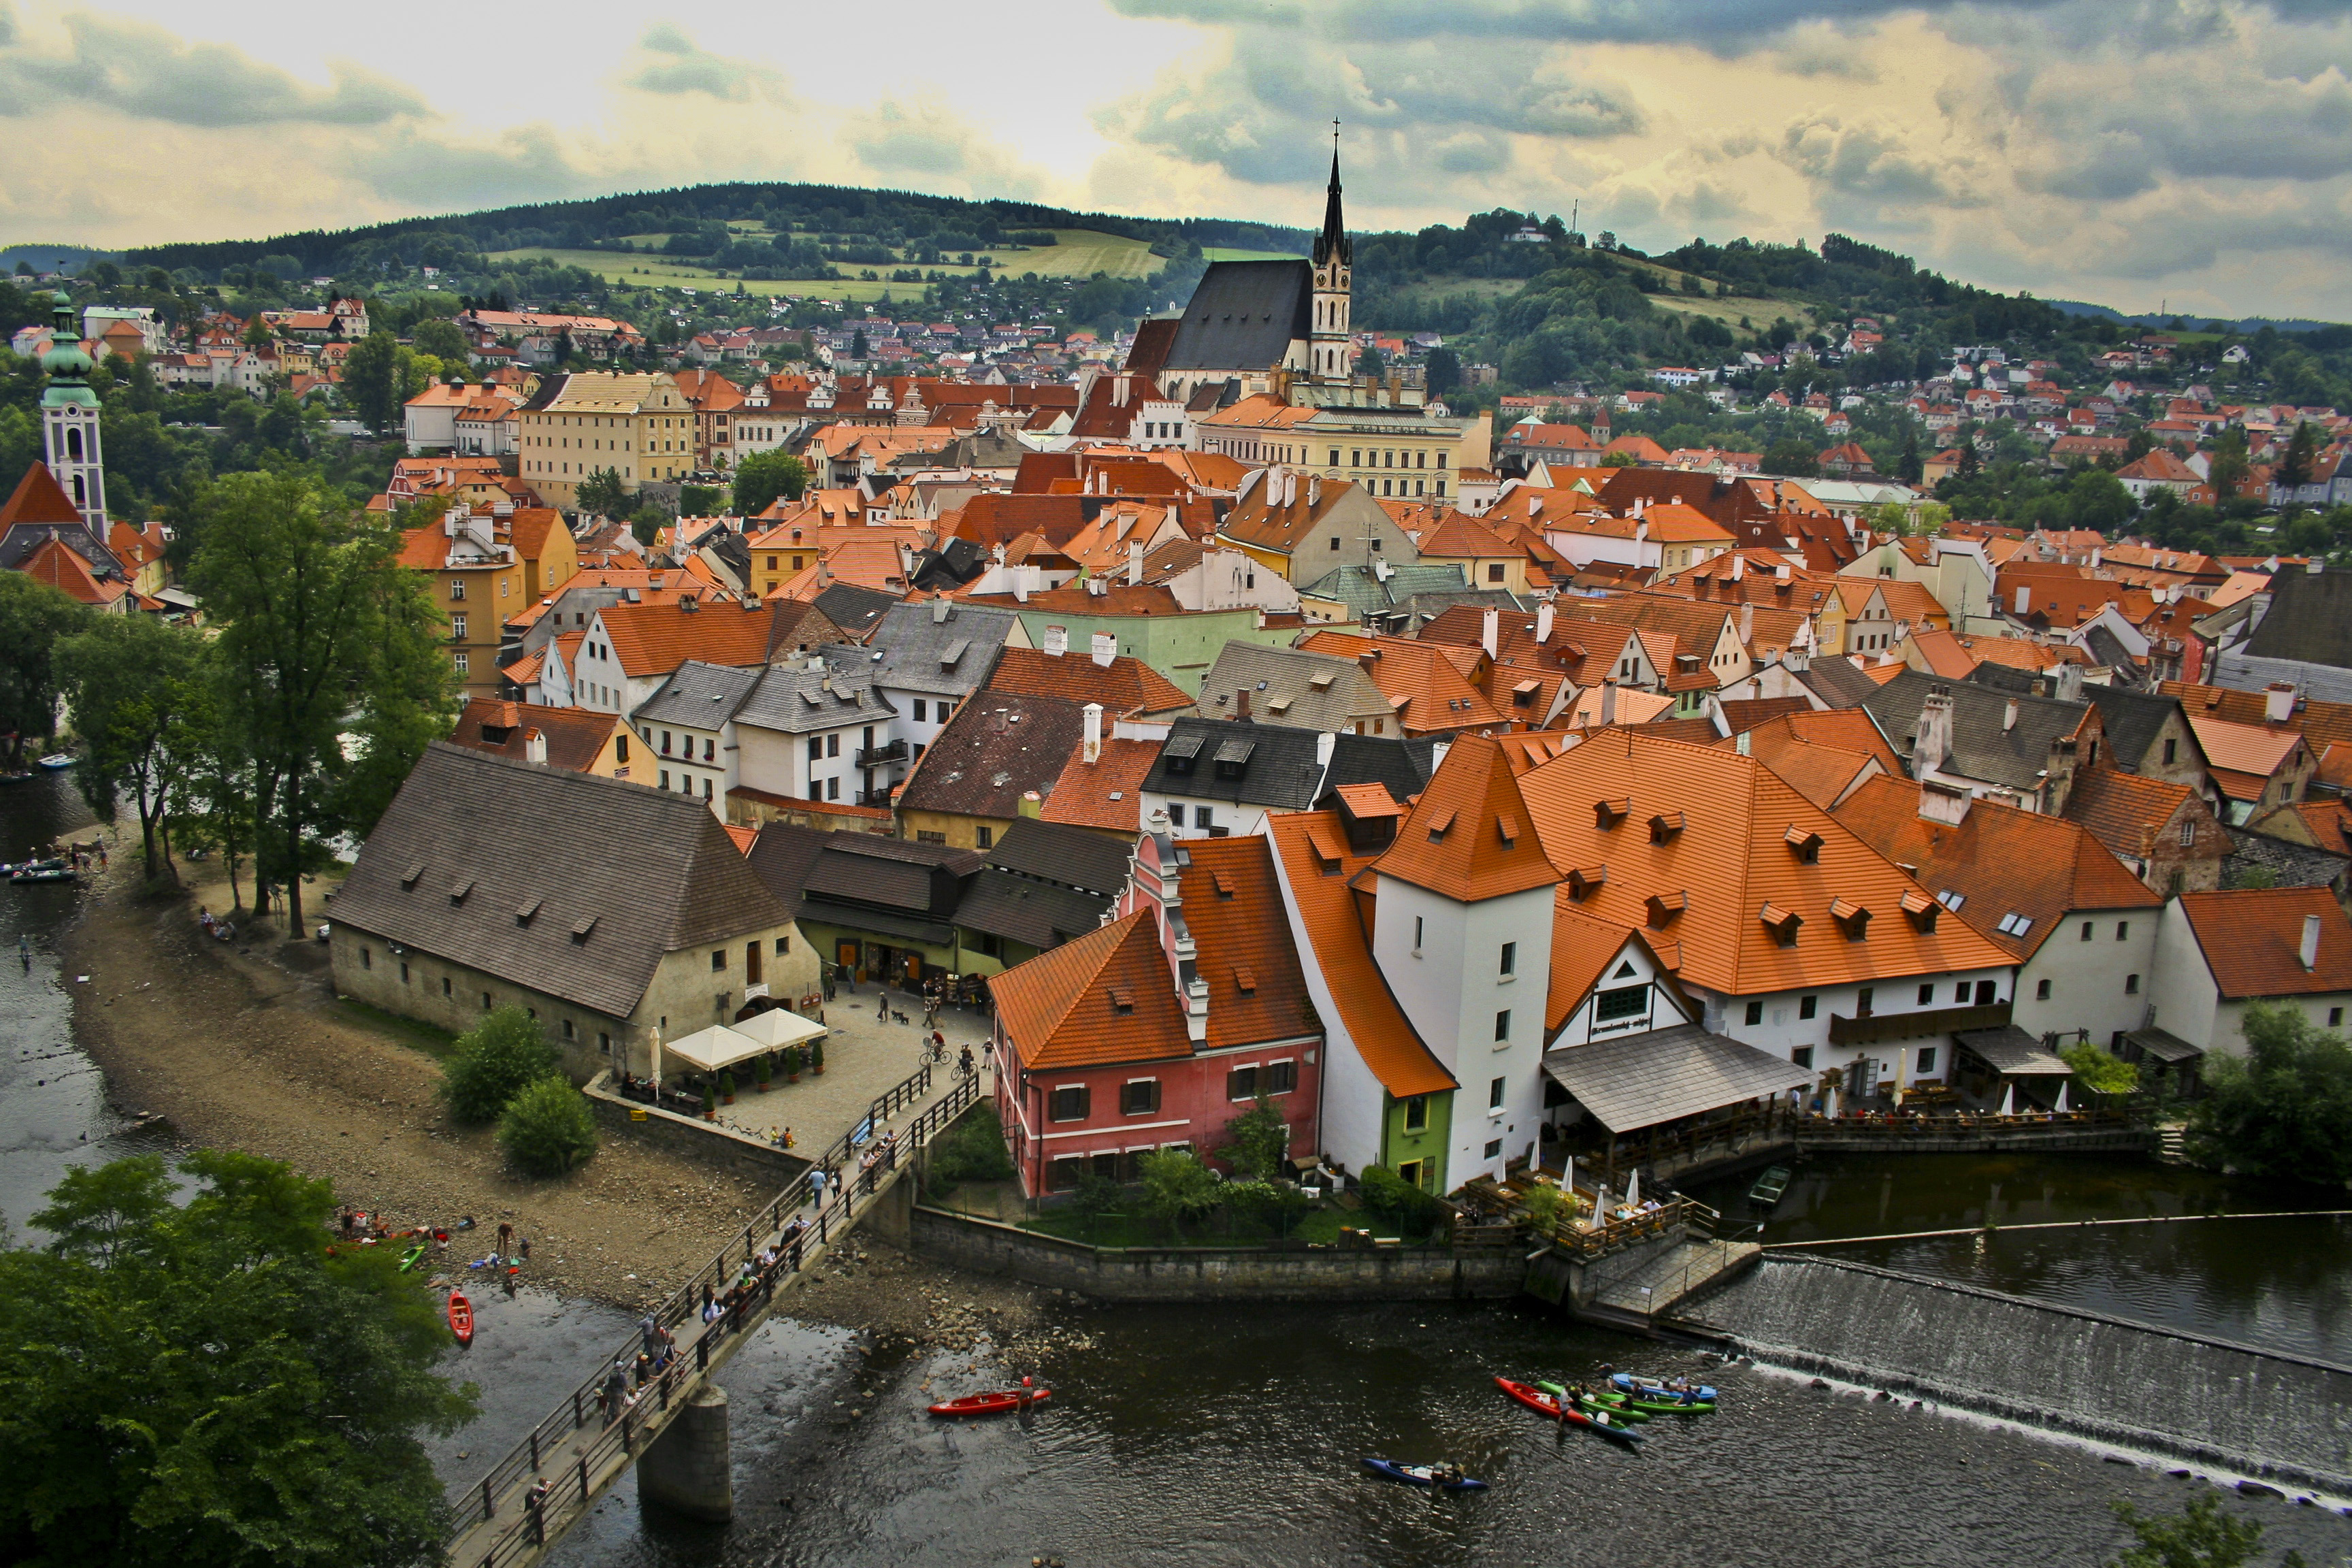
512	1477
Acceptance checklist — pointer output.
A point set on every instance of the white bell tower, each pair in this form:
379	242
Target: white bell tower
70	412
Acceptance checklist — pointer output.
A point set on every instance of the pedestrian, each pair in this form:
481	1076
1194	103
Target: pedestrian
816	1186
648	1331
525	1244
505	1239
882	1005
616	1392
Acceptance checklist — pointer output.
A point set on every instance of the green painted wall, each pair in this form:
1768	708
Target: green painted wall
1428	1145
1181	648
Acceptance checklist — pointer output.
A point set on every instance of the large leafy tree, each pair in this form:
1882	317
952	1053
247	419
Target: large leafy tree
215	1384
601	493
34	618
323	635
138	690
2285	1109
762	479
372	379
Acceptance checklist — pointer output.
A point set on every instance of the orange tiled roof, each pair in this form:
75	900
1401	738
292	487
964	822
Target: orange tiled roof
575	737
1319	867
1469	836
1241	934
1426	686
2128	812
1125	685
655	639
2253	941
2324	723
1102	997
62	568
38	498
1722	840
1582	948
2251	749
1106	794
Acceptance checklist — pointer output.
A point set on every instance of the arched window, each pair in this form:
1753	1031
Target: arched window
73	445
78	499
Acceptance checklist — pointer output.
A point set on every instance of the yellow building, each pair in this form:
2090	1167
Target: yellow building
640	426
1393	450
477	582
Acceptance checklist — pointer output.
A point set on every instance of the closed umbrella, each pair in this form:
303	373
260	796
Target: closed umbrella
1634	1192
2009	1096
656	1048
1601	1206
2062	1094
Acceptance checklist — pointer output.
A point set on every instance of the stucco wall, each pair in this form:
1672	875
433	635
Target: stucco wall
2104	985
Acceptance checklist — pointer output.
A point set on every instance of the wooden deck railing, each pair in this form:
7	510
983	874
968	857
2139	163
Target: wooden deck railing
1879	1124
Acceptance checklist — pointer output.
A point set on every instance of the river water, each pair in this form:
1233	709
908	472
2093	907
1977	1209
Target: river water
1210	1435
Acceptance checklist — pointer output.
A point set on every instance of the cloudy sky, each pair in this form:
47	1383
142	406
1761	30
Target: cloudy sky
2133	152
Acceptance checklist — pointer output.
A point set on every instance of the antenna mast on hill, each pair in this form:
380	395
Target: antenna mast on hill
1575	209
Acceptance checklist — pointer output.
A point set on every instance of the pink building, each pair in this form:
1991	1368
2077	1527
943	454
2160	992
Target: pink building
1155	1030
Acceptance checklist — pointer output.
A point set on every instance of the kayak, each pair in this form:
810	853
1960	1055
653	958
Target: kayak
1544	1404
1617	1407
995	1403
1639	1409
57	759
1651	1391
1422	1476
411	1259
461	1317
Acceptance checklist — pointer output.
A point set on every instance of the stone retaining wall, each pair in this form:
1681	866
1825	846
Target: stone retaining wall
1215	1273
697	1140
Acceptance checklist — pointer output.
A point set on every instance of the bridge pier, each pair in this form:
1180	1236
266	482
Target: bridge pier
689	1468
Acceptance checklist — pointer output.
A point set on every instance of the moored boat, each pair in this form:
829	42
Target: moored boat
57	759
1768	1187
1424	1475
461	1317
1544	1404
57	872
996	1402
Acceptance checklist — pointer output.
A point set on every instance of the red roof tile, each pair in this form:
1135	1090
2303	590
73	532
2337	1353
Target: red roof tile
2253	941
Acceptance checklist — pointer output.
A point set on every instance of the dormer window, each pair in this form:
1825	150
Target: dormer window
1122	1001
1921	911
1608	813
1584	881
1783	924
1664	908
1440	826
1665	826
1507	828
1804	844
1853	918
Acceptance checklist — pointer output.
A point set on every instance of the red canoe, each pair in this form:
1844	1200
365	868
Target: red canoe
1544	1404
994	1404
461	1317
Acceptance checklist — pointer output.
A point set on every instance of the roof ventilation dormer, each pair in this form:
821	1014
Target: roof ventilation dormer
459	889
525	910
1665	826
1440	826
1853	918
1921	911
1804	844
1608	813
1782	924
1583	881
1664	908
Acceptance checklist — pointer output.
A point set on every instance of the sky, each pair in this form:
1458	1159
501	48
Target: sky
2195	155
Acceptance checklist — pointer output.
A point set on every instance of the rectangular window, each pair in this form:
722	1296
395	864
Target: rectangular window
605	1042
1416	933
783	946
833	789
1503	1026
1863	999
1807	1005
1926	994
1801	1057
1069	1103
1495	1094
1202	817
458	626
1624	1002
568	1031
1926	1059
918	711
1755	1014
665	784
457	590
1416	1114
1960	994
445	985
462	662
719	961
1510	957
1494	1149
1281	1078
1240	1083
985	837
1984	992
816	748
2086	930
2172	749
367	959
2042	991
833	745
403	971
2123	930
2131	984
2335	1017
485	1001
1140	1097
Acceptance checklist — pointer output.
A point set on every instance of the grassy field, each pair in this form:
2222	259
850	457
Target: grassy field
1078	253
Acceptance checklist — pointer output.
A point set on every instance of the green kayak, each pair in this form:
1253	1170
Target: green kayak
1592	1402
1634	1408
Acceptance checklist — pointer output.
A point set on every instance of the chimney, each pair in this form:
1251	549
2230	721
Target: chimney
1135	564
1609	699
2025	599
1314	491
1092	752
1241	703
534	750
1738	566
1746	622
2008	715
2094	557
1943	801
1490	632
1105	647
2309	951
1057	641
1933	741
1781	574
2068	683
1326	742
2278	702
1543	622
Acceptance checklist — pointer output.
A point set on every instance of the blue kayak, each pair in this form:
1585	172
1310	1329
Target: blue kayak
1422	1476
1656	1393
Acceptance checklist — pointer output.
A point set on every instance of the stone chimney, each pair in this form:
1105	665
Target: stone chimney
2008	715
1092	751
2309	951
1746	622
1738	566
1933	743
534	750
1057	641
1543	622
2025	599
1135	564
1490	632
1314	491
1782	574
2278	702
1609	699
1241	703
1943	801
1020	585
1104	648
2067	683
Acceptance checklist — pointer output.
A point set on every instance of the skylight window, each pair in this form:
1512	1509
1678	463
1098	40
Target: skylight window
1951	901
2014	924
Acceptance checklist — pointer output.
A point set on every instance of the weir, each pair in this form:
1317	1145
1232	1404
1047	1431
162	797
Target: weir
2258	1413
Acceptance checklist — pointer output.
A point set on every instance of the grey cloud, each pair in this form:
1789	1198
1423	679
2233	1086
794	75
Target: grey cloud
675	65
149	73
1871	162
425	170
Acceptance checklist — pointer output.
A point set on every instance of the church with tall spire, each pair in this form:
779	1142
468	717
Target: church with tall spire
1334	262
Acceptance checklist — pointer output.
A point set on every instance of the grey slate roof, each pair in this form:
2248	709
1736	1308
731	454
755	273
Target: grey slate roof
808	867
2323	683
795	699
1981	748
570	885
1281	684
2309	620
2295	864
1281	773
1072	857
699	695
1364	591
1641	1080
2011	1052
1245	315
1839	682
1402	767
1038	913
2131	720
854	609
940	646
996	748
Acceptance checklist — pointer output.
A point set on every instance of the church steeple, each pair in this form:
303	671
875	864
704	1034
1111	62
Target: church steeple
70	412
1334	260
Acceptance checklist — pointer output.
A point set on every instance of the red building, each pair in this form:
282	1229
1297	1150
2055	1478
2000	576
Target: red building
1157	1029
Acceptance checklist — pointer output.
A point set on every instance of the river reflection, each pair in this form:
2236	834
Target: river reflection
2281	1284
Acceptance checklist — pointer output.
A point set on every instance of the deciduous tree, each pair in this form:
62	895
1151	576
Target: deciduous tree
34	618
764	476
137	689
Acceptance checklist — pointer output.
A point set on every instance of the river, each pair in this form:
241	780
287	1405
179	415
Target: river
1208	1436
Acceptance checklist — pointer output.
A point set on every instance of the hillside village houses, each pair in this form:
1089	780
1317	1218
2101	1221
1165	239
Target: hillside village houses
1479	794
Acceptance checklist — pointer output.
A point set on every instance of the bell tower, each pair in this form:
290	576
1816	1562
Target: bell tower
1334	262
70	412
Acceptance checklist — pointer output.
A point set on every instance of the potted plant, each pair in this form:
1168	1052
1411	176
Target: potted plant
816	1056
727	1087
792	1063
759	1075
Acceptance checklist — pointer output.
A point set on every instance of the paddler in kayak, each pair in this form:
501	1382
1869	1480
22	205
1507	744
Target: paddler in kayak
1025	1394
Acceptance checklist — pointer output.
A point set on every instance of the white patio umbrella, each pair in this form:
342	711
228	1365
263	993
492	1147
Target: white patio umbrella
656	1052
2009	1096
1601	1206
2062	1093
1568	1176
1829	1103
777	1028
1634	1192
